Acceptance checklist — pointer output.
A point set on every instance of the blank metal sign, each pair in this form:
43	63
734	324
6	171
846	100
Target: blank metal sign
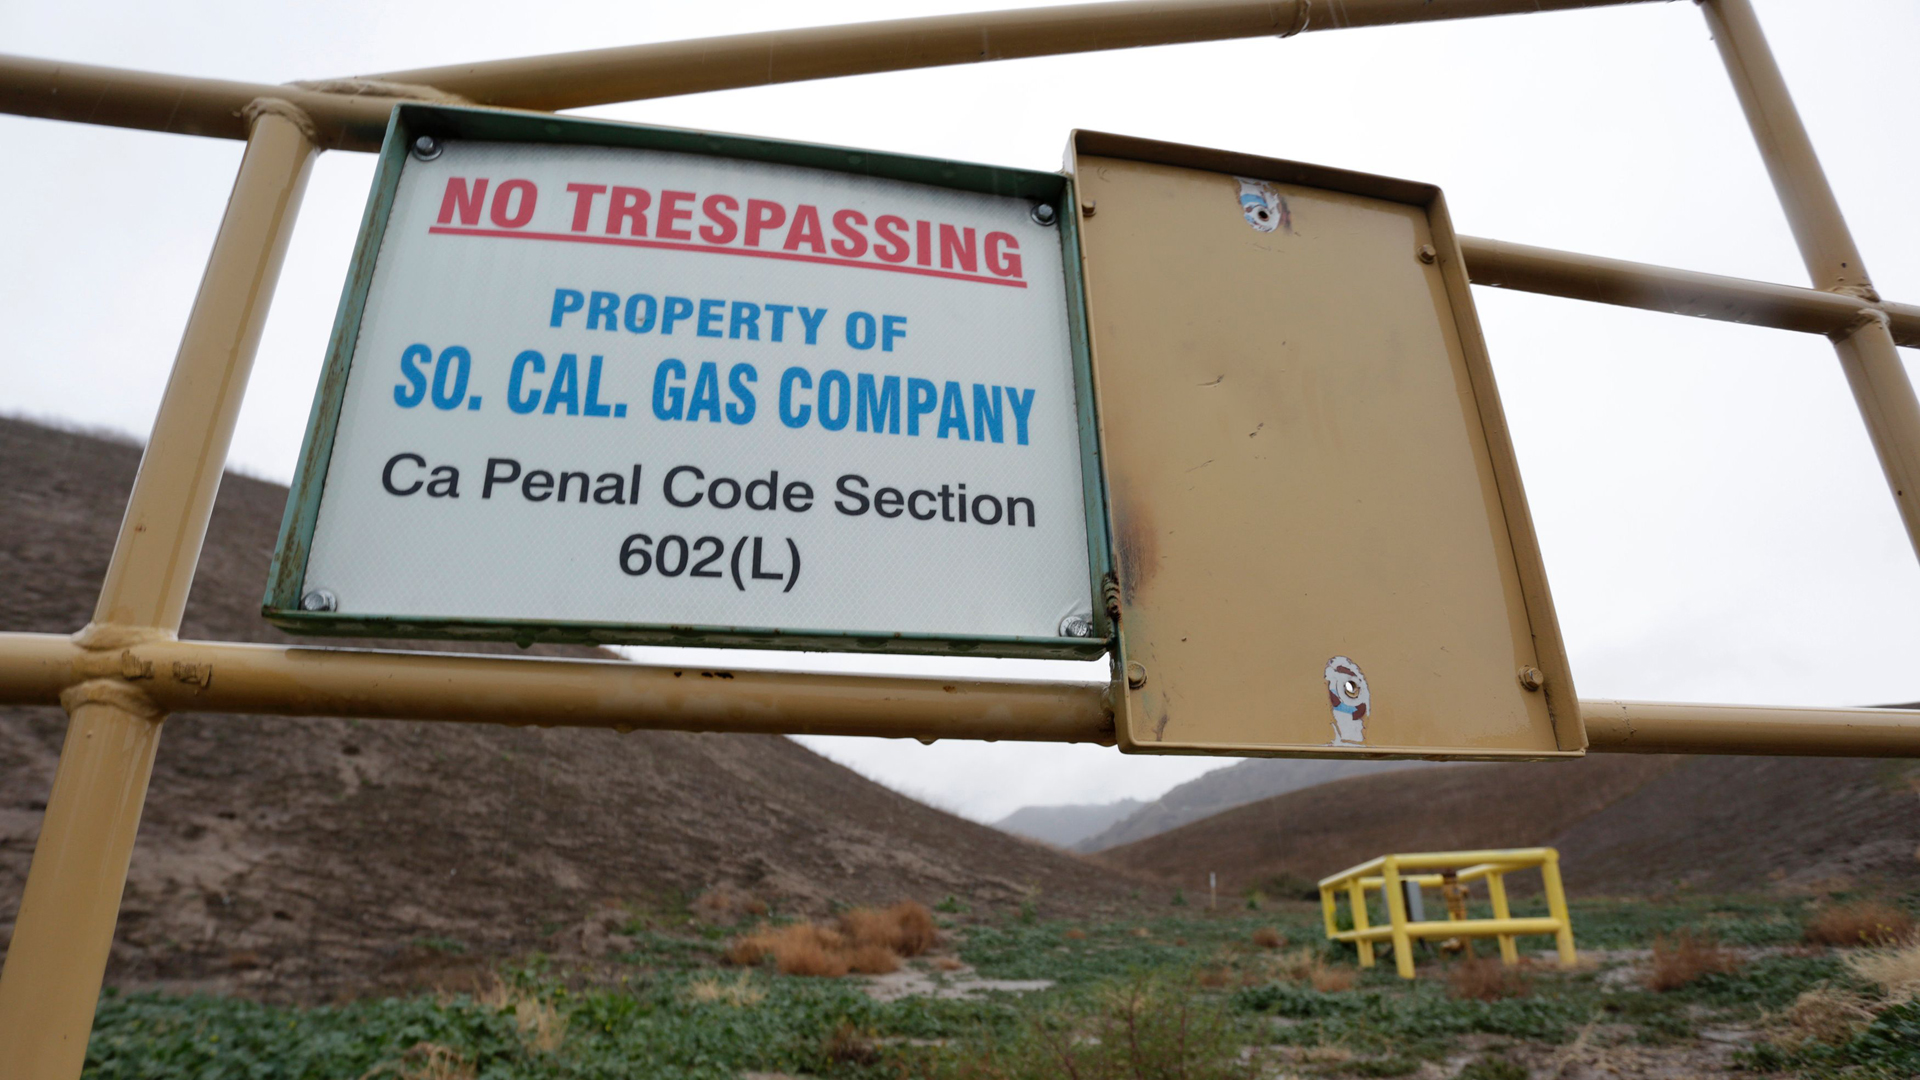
1321	540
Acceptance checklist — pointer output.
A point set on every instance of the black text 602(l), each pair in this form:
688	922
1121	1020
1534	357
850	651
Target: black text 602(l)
673	556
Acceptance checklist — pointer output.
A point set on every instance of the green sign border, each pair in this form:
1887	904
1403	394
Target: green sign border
282	604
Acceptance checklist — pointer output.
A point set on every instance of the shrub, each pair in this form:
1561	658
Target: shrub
1683	958
1861	922
1482	978
1268	938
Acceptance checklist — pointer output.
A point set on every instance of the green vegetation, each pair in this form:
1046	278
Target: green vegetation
1889	1049
1188	992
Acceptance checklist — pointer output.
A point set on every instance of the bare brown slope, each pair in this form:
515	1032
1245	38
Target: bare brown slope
1312	833
1623	824
304	858
1736	823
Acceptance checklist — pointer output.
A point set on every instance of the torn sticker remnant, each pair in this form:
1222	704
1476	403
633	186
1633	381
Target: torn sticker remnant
1347	690
1265	208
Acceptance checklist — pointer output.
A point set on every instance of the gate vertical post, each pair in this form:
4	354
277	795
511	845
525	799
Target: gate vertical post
50	983
1497	894
1397	917
1557	907
1868	355
1357	901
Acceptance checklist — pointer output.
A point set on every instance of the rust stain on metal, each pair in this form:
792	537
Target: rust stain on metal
1136	546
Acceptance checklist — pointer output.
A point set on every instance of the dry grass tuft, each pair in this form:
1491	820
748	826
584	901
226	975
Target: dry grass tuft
872	960
426	1061
1268	938
1326	1054
1332	980
724	905
1214	978
848	1045
739	993
1483	978
1895	969
1306	965
865	941
1825	1015
542	1027
1860	922
918	933
1685	957
1296	964
906	928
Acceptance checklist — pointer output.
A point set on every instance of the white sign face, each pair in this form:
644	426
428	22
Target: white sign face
622	386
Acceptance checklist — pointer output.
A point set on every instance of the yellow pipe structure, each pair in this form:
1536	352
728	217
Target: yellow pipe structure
1492	866
1867	355
54	964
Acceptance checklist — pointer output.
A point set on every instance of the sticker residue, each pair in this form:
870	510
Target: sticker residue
1347	690
1265	208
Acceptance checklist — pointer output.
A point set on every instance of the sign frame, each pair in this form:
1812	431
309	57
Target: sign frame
282	605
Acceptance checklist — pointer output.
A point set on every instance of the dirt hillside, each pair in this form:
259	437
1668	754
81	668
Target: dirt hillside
1624	824
312	858
1236	785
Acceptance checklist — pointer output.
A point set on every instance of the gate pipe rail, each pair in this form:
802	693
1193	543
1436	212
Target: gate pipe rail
224	677
64	930
574	80
1871	363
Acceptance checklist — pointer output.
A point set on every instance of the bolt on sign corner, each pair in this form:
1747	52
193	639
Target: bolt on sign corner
605	383
1322	544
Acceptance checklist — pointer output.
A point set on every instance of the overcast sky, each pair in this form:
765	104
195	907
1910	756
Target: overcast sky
1712	516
